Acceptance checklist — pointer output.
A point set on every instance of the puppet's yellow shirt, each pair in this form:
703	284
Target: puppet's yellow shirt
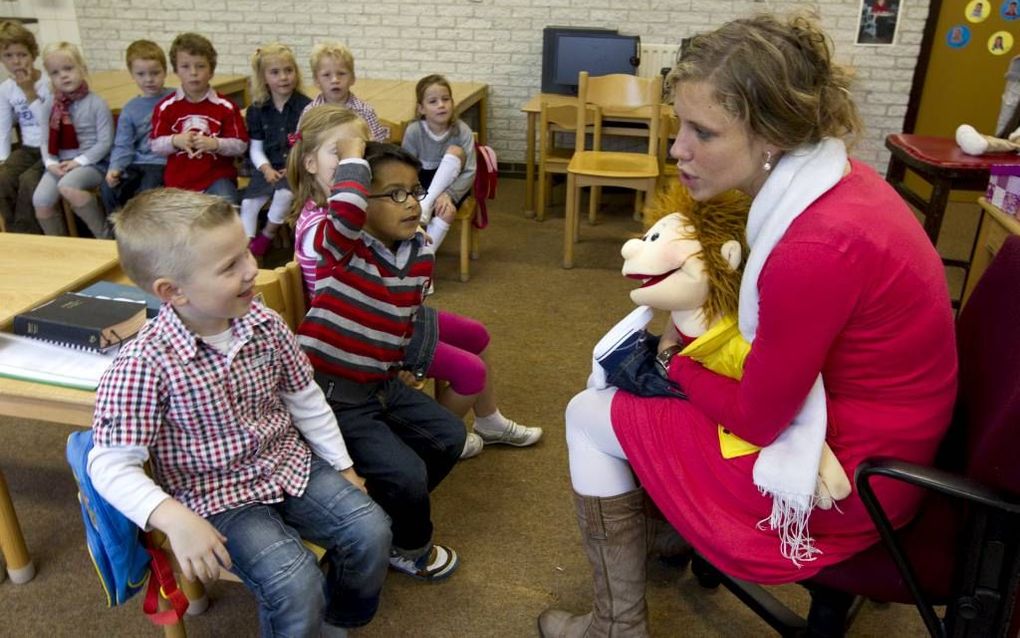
722	350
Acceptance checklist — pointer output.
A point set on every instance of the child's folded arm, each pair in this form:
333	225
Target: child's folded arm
118	476
315	420
231	146
163	145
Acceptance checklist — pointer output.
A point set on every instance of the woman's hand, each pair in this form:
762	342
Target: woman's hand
57	170
68	165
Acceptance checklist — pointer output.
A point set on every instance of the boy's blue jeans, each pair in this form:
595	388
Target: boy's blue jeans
264	542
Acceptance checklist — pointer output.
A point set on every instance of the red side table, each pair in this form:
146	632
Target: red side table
941	163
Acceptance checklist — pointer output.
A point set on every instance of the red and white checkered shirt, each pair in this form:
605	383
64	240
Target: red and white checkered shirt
217	430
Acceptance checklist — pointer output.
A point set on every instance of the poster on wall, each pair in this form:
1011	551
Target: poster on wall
878	22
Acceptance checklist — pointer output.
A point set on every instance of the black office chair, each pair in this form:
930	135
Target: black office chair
962	550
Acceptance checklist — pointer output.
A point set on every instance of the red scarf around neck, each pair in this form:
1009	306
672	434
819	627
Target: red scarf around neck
62	133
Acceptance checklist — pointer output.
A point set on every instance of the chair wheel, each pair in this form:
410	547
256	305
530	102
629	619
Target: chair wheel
708	576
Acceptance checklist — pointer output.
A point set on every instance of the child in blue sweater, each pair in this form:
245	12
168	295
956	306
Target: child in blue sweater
133	166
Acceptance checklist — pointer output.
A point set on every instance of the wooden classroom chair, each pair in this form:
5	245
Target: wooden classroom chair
553	159
597	168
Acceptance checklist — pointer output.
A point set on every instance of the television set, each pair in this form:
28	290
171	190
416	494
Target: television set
566	51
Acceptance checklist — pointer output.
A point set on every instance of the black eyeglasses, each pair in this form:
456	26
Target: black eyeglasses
400	195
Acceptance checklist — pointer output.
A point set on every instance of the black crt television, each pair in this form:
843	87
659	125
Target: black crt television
566	51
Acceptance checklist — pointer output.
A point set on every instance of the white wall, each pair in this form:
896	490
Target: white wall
57	20
493	41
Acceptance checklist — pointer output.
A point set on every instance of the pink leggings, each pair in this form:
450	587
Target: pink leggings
456	361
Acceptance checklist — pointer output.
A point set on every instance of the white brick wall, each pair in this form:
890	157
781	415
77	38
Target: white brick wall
493	41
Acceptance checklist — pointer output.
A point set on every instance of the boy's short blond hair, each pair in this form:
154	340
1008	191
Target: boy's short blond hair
333	50
193	44
67	49
156	230
15	33
145	50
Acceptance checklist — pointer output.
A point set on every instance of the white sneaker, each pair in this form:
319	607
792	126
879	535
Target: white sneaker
472	446
513	434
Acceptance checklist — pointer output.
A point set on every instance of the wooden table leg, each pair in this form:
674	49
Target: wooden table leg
529	169
483	119
12	543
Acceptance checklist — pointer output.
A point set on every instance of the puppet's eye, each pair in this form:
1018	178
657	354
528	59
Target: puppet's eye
652	237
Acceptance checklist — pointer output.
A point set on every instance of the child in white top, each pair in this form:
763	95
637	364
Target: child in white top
21	100
443	144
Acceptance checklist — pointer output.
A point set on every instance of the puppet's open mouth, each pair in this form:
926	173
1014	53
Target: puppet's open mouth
651	280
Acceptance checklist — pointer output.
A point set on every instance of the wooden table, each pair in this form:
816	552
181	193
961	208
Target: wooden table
533	107
996	226
394	102
117	87
34	269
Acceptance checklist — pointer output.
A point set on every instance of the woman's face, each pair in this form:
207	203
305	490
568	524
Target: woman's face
714	151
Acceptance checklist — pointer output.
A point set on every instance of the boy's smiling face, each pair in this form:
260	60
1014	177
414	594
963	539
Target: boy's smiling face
386	220
219	285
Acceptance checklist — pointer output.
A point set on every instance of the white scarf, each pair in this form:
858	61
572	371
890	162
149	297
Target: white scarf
787	469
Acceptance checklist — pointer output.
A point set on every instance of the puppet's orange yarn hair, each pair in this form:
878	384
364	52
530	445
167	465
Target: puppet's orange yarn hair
715	222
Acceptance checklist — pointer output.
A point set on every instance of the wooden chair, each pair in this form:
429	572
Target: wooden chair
553	158
469	247
282	290
597	168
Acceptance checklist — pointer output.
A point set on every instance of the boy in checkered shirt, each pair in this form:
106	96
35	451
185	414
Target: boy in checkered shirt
246	452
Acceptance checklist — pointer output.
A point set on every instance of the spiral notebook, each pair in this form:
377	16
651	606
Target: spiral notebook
81	321
33	360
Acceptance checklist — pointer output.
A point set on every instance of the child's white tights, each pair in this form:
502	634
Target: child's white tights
250	207
449	169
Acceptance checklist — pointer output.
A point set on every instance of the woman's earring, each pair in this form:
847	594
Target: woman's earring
767	164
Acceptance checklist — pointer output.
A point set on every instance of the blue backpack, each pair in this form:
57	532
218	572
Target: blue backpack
120	551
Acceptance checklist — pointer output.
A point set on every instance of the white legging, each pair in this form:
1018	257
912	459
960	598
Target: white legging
598	465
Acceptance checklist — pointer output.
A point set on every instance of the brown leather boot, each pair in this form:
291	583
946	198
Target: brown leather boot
613	535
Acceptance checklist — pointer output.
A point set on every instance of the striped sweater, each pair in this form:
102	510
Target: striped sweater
366	294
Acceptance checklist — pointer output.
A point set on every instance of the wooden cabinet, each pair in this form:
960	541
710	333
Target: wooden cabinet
996	226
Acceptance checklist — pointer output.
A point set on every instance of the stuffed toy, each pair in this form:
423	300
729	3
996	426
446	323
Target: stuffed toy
973	143
689	263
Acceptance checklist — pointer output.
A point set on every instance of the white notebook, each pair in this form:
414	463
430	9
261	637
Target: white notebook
35	360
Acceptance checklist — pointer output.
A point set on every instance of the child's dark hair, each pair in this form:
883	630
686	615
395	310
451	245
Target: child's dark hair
193	44
379	153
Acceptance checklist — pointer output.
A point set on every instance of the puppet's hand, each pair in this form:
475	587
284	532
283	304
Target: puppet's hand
833	484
